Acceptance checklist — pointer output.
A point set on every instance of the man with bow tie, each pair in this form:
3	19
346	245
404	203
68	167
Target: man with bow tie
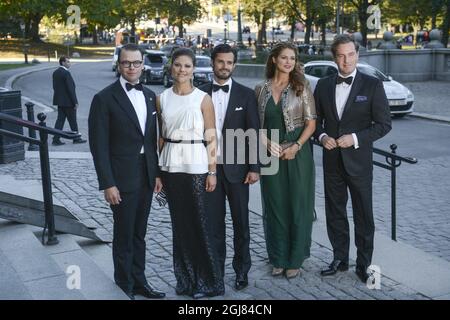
235	110
123	142
352	112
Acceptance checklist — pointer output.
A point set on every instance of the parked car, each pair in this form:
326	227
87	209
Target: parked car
168	49
154	62
401	99
203	72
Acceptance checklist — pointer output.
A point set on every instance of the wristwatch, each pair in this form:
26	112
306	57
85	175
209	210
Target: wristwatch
212	173
299	145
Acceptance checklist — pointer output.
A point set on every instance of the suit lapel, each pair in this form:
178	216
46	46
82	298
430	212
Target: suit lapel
125	103
333	96
357	83
232	102
150	109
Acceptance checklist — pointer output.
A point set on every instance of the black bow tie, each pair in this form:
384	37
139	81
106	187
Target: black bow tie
130	86
225	88
348	80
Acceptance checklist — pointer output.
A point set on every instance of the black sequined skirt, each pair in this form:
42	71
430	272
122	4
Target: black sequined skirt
195	263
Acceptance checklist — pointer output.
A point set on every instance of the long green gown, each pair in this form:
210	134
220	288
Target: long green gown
288	198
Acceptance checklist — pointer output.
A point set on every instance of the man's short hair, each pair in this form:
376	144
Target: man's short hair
63	59
130	47
223	48
342	39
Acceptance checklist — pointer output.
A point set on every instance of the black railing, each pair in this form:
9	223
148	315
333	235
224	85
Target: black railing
42	143
393	161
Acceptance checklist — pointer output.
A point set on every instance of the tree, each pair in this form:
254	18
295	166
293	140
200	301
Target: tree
181	12
446	25
261	11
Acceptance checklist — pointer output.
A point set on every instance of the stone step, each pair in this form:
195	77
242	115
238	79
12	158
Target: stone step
95	284
39	273
12	287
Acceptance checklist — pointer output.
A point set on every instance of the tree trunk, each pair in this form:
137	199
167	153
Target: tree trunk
263	31
34	30
293	30
323	28
446	25
180	29
133	27
308	21
94	36
363	16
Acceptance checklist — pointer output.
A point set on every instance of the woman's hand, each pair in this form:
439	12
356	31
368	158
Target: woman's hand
289	153
211	182
274	149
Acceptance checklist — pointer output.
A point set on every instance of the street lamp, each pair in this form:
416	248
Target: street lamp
25	46
239	39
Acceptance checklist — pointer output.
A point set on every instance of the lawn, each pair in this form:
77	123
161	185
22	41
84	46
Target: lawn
8	66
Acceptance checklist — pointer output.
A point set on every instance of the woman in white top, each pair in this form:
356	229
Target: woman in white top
188	167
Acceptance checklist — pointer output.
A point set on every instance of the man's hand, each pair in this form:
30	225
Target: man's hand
346	141
158	185
76	106
112	196
211	182
329	143
251	178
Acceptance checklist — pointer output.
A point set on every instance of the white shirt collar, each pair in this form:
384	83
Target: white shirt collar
64	68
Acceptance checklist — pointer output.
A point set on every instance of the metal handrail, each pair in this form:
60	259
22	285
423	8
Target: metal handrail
393	161
42	142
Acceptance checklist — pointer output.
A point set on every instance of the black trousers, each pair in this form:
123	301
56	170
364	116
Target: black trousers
336	197
66	112
238	197
130	228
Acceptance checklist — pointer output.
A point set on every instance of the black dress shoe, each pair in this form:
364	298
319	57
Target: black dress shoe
199	295
334	267
149	292
79	141
58	143
362	274
241	282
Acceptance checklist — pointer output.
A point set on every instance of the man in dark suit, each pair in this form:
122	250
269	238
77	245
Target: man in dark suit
353	112
123	141
65	97
235	109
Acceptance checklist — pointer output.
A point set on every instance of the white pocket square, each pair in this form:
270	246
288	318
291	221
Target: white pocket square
154	112
238	109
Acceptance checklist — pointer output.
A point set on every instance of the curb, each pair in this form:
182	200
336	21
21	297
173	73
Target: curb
431	117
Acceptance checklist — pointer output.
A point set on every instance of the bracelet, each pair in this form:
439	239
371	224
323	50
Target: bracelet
300	145
212	173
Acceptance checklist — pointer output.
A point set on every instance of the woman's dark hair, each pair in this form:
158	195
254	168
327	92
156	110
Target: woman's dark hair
183	52
296	76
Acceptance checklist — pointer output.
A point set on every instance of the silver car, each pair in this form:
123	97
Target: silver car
401	99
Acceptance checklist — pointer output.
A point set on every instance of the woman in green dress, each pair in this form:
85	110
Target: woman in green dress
286	104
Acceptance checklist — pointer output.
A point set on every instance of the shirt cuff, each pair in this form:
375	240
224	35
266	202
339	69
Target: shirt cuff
355	140
321	136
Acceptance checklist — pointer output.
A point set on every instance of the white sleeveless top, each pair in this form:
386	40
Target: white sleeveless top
182	119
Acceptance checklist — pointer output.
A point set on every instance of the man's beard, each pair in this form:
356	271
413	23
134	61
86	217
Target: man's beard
223	77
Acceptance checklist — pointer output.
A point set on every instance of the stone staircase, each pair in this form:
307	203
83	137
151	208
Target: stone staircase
31	271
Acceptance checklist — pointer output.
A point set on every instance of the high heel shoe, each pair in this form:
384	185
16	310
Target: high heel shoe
277	272
292	273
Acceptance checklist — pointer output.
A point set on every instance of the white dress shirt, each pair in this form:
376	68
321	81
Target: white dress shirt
342	92
137	99
220	100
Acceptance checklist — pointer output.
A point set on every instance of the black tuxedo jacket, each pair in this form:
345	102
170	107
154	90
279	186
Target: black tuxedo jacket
63	89
242	113
116	138
366	114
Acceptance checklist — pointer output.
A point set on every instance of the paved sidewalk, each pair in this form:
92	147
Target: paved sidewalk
75	185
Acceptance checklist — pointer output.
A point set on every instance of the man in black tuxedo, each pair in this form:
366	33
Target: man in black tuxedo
235	108
65	97
123	142
353	112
